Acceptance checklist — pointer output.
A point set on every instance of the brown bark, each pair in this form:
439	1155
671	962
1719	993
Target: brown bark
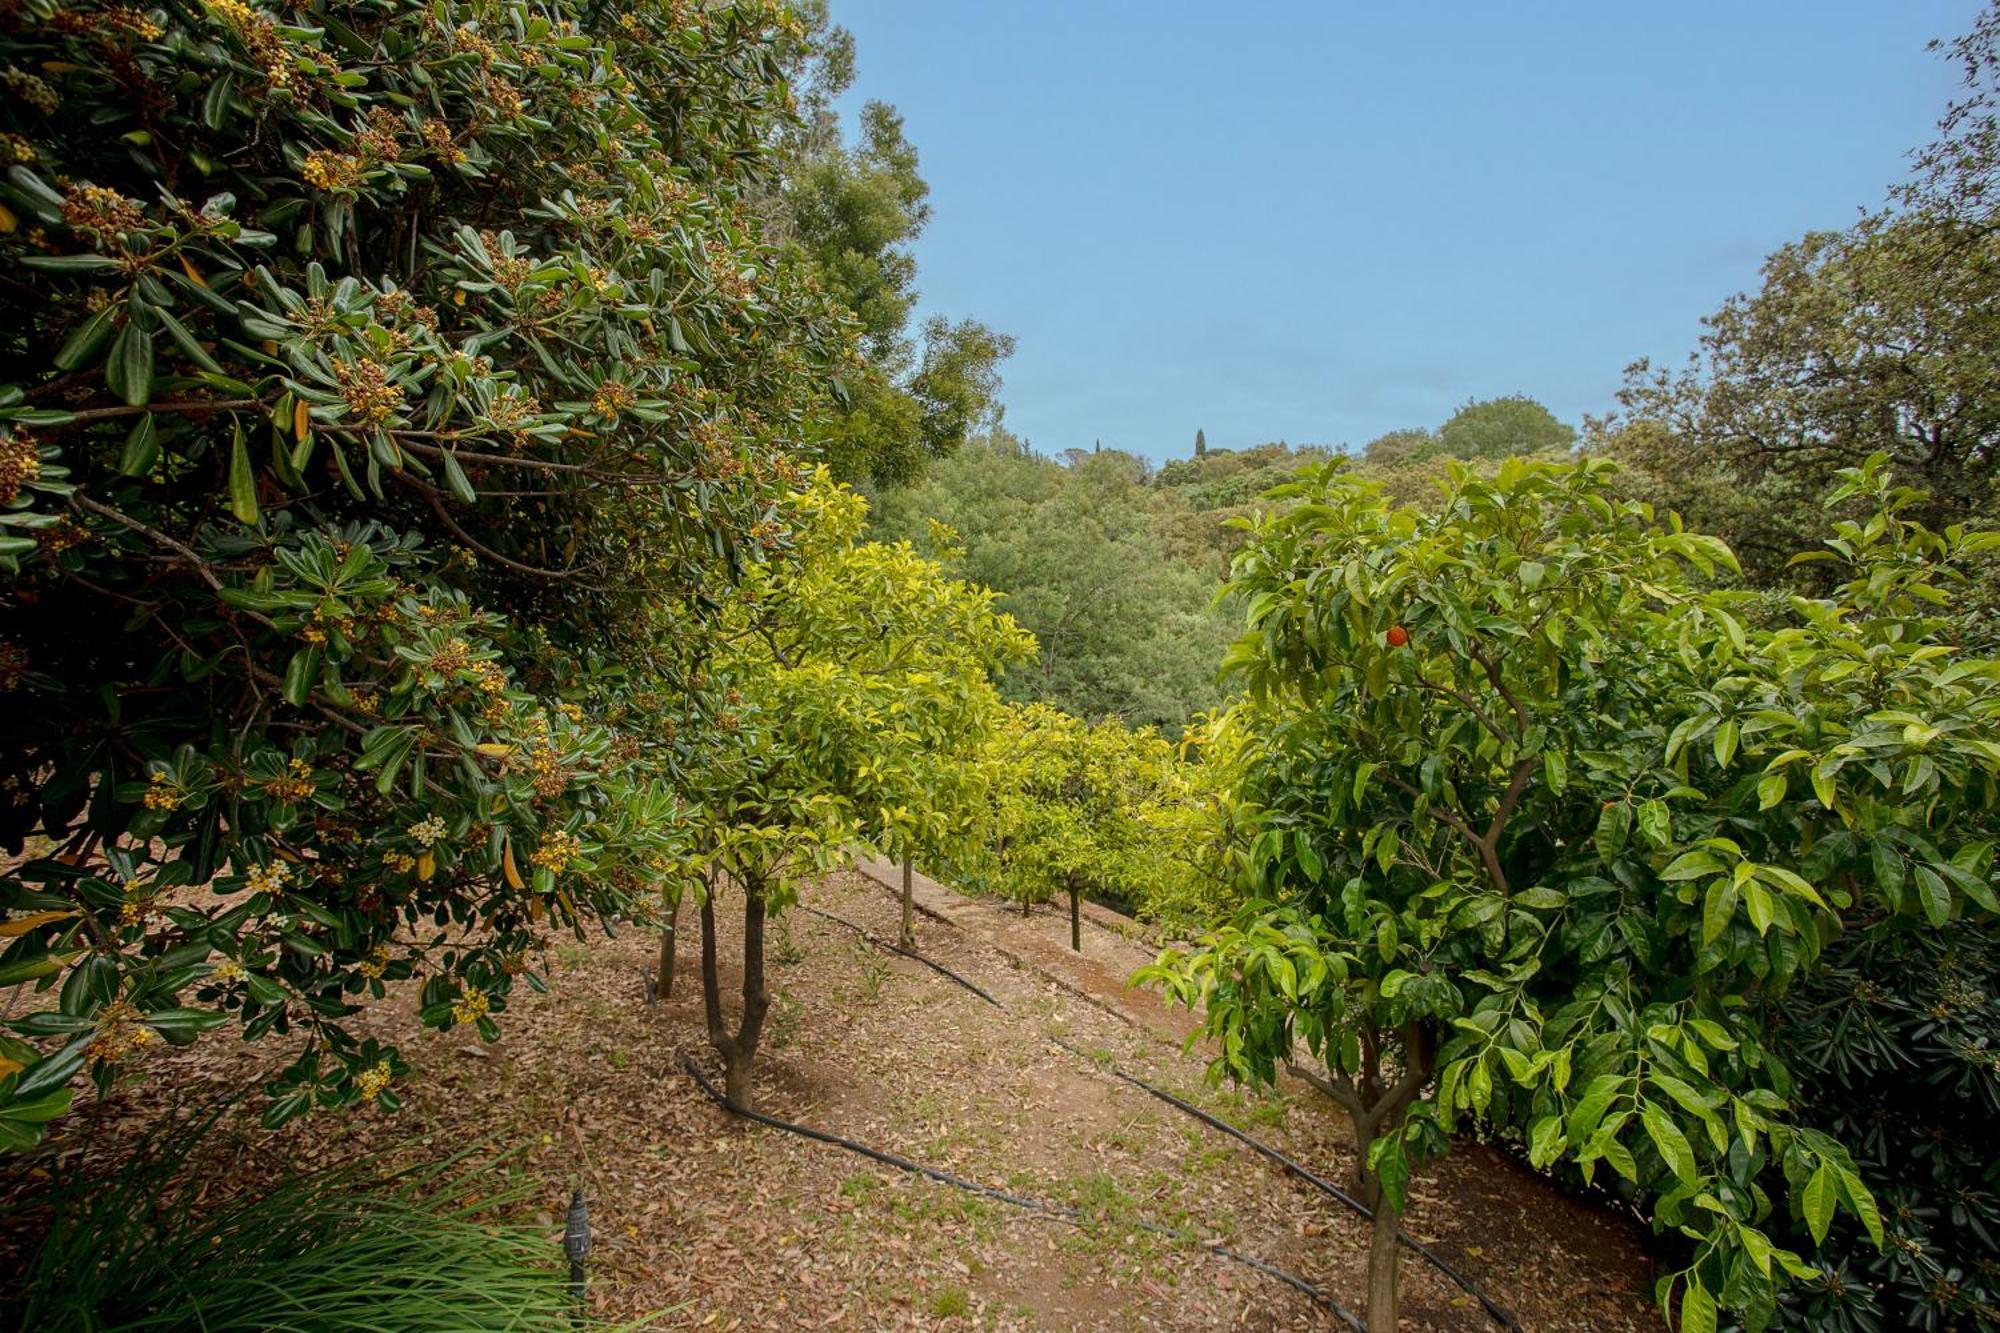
738	1049
1075	919
1376	1107
1382	1295
909	936
663	988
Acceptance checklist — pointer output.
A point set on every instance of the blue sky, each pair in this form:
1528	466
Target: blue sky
1321	221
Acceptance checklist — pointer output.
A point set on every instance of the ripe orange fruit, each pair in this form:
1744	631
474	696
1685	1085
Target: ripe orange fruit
1398	636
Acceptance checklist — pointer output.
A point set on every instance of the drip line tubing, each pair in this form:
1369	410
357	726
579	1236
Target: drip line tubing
1062	1212
1497	1312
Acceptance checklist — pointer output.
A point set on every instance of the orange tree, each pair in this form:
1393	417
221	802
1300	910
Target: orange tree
367	373
1537	830
844	687
1074	808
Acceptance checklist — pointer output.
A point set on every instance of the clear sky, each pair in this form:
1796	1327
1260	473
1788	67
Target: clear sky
1321	221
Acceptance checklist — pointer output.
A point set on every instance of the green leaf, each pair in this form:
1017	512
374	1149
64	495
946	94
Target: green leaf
1933	896
242	482
1717	908
142	448
1757	899
1667	1137
84	344
1697	1308
1692	865
1725	743
1545	1141
301	674
1863	1203
1771	791
1614	826
1556	769
455	476
1362	773
1817	1201
1655	823
129	370
187	342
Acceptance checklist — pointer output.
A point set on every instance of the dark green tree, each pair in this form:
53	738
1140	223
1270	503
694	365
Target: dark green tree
1086	555
1503	428
854	209
1884	337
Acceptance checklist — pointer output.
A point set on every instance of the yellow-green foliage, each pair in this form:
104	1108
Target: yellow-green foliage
855	680
1108	810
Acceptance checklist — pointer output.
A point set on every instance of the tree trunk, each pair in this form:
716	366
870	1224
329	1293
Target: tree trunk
1026	908
739	1049
711	987
1075	919
909	937
1382	1259
663	988
1377	1107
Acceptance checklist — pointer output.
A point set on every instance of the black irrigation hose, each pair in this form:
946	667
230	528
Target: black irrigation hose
1063	1212
911	954
1498	1313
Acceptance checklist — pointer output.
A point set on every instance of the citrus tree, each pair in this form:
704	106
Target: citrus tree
847	680
1536	826
366	376
1079	808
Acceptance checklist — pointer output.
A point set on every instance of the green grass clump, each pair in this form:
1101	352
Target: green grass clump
342	1248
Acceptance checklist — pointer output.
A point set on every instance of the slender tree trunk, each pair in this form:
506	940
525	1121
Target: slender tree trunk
756	1000
711	986
663	988
1377	1107
1382	1257
738	1049
909	938
1075	919
1026	908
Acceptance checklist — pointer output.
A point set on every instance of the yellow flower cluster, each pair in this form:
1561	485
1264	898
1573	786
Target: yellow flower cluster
550	776
22	86
138	905
612	398
119	1033
163	794
100	212
267	878
227	972
400	863
14	148
470	1009
375	964
366	387
451	659
438	139
370	1082
557	852
260	38
326	170
132	21
295	784
380	136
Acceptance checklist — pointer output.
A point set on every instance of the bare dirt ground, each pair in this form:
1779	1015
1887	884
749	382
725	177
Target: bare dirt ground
726	1225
